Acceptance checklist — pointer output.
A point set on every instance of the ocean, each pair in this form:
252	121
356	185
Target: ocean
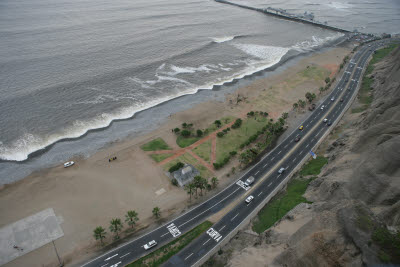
78	75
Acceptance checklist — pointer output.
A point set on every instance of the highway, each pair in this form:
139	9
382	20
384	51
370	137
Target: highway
287	154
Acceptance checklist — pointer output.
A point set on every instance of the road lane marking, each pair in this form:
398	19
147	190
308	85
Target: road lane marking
234	217
104	265
222	228
257	172
188	256
286	145
307	145
173	230
301	152
272	158
265	165
278	175
125	255
294	159
109	258
279	152
214	234
206	241
209	208
165	234
260	194
269	184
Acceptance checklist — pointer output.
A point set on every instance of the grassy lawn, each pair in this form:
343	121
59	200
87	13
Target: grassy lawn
365	96
186	141
315	73
314	166
187	158
160	157
204	151
224	121
156	144
278	207
232	140
161	255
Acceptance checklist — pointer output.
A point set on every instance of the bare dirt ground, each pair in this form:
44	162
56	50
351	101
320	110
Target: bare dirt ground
94	191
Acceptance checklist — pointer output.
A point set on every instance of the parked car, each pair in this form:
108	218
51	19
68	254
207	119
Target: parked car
281	170
249	199
149	245
68	164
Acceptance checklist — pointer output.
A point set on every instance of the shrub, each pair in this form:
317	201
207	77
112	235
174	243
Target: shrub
237	123
185	133
251	113
176	130
176	167
218	123
233	153
327	80
199	133
216	165
220	134
174	182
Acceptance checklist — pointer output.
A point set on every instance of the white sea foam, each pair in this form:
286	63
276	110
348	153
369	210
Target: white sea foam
315	42
340	5
223	39
29	143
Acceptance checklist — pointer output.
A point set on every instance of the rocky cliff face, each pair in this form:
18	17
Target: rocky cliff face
355	213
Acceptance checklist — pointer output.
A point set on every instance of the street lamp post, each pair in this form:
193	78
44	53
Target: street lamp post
58	257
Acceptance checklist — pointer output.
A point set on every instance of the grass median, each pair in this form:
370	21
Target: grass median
161	255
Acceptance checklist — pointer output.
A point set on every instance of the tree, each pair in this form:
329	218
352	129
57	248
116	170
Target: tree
327	80
156	212
285	115
295	106
116	227
190	189
99	233
218	123
184	125
214	182
176	130
200	183
321	89
309	96
131	217
302	103
199	133
185	133
220	134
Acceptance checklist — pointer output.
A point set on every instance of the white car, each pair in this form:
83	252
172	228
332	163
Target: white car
281	170
249	199
149	245
68	164
325	120
322	107
332	99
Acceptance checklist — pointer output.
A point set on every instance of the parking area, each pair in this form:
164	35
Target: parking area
28	234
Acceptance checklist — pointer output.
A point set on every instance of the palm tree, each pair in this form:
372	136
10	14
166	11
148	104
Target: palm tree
156	212
99	233
131	217
198	184
214	182
116	226
190	189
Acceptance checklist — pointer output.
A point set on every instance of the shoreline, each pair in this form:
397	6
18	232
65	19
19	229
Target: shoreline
56	153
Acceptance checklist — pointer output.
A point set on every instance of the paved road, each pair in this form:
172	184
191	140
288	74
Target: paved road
287	154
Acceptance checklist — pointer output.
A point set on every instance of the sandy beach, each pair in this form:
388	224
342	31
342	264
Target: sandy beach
95	190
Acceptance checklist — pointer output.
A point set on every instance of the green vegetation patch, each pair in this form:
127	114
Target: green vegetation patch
224	121
204	150
232	140
160	157
187	158
161	255
156	144
365	93
314	166
389	244
314	72
278	207
186	141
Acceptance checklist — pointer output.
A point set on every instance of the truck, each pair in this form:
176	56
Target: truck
249	181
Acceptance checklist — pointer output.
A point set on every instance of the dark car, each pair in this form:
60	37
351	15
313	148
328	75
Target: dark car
329	123
341	100
297	139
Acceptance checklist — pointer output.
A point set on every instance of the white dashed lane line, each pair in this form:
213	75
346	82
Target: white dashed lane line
272	158
279	152
294	159
257	172
259	194
269	184
188	256
125	255
222	228
206	241
234	217
165	234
